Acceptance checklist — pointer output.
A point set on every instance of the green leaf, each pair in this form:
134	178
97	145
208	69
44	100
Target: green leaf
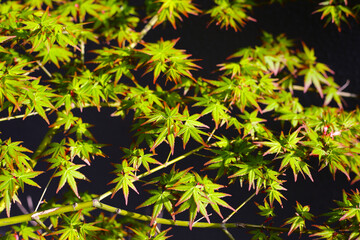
274	192
218	111
324	232
335	13
162	57
124	180
298	221
118	61
137	157
69	174
85	150
8	191
74	228
55	54
28	232
231	13
266	210
294	160
172	10
197	195
169	122
25	177
160	199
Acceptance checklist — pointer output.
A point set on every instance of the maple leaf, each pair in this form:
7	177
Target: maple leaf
124	180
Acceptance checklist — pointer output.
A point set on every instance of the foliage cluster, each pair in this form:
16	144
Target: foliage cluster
246	124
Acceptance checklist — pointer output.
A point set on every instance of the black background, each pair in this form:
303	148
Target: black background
339	50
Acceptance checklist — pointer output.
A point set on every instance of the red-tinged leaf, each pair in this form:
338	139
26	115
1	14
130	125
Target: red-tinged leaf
215	201
164	58
192	215
160	199
298	221
5	38
26	177
137	157
350	213
274	193
124	180
218	112
158	207
171	141
7	201
68	174
295	224
274	145
191	127
185	196
157	70
324	232
202	209
42	113
161	137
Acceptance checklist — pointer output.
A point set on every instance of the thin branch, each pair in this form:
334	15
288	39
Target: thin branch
201	218
95	203
43	226
44	68
181	223
145	30
37	62
45	189
210	136
241	205
82	51
44	214
168	157
228	234
24	211
21	116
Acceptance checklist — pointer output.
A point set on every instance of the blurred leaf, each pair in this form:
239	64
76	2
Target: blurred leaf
231	13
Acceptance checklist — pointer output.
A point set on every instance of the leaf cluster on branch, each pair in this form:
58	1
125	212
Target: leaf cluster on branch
246	125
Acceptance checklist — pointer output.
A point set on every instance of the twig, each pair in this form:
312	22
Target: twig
82	51
210	136
95	203
145	30
227	233
44	68
45	189
236	210
43	226
202	218
168	157
37	62
21	116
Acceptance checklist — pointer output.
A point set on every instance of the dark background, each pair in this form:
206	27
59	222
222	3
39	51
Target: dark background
339	50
